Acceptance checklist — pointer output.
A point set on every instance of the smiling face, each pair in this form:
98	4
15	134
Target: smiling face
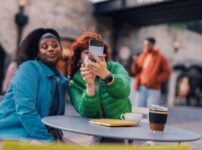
50	51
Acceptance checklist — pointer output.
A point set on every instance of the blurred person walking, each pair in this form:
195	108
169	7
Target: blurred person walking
150	69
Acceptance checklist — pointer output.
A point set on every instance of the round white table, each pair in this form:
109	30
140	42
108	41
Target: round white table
142	132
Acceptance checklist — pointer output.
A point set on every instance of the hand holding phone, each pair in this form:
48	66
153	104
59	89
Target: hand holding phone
99	68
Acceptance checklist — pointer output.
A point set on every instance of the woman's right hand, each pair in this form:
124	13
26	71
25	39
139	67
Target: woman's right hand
89	78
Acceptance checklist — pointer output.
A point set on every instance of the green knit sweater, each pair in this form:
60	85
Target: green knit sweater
109	101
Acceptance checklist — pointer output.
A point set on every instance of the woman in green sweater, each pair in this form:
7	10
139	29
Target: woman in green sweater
97	89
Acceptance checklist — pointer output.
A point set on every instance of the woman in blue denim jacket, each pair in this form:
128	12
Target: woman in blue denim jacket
37	90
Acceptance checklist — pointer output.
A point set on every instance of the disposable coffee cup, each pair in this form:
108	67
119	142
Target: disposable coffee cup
157	118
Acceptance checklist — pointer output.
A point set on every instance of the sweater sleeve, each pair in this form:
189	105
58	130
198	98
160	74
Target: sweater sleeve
25	95
85	105
165	73
120	88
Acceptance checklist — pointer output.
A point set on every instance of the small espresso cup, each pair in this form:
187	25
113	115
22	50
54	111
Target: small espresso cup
134	117
157	118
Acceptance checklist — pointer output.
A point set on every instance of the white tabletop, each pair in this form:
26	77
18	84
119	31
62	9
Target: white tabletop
142	132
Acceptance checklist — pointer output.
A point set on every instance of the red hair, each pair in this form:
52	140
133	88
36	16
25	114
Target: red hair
79	45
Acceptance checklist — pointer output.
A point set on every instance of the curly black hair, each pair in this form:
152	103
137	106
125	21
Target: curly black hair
29	47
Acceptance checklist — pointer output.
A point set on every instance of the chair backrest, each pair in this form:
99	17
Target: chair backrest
28	146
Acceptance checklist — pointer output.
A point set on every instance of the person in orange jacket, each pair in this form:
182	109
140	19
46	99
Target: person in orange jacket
150	69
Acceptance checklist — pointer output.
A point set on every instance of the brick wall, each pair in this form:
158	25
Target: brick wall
69	17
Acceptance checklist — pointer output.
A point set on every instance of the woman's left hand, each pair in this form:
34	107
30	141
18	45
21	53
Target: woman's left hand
99	67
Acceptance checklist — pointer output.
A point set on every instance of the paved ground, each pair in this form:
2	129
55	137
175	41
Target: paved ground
180	116
187	118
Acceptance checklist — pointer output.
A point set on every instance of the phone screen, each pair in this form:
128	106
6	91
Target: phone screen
96	47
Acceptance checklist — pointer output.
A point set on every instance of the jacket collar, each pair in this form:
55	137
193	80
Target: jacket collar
49	72
155	51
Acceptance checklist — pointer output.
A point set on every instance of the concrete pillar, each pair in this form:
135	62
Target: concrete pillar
171	88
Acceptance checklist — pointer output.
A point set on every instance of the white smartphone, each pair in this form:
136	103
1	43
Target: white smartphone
96	47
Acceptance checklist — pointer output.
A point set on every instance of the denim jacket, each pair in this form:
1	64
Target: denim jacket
27	100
